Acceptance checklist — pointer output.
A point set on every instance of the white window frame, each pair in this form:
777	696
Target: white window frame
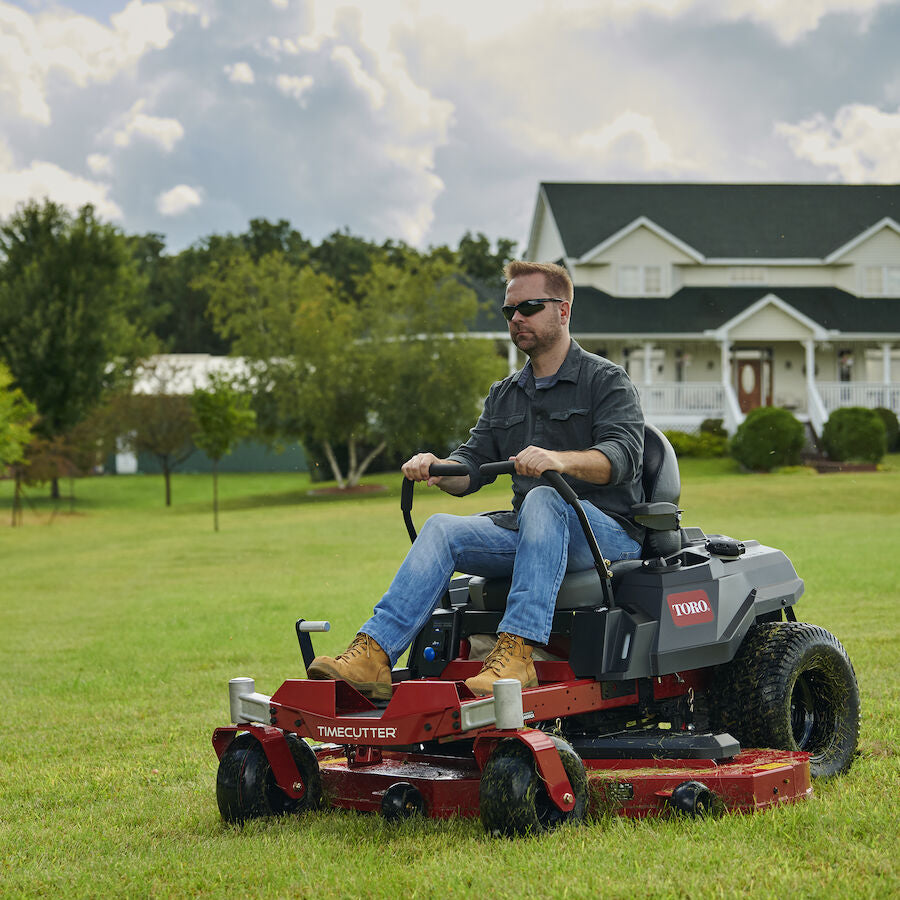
747	275
885	274
640	275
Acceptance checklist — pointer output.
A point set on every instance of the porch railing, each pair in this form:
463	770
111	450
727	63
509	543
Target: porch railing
699	398
870	394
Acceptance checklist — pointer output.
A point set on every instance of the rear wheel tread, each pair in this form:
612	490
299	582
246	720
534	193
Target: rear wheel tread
760	696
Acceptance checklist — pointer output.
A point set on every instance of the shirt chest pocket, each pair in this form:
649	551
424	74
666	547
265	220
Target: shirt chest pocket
570	429
509	434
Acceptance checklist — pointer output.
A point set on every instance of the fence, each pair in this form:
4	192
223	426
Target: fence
870	394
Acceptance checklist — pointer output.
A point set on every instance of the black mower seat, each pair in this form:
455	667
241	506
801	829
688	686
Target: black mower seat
578	589
661	481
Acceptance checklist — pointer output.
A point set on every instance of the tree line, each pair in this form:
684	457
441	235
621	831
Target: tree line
351	347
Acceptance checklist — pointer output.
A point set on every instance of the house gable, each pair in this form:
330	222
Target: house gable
644	235
544	241
770	318
885	233
639	260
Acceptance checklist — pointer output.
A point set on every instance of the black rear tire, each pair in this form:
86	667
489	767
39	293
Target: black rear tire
791	686
246	786
513	798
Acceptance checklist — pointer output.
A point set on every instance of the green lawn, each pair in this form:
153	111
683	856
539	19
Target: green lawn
122	621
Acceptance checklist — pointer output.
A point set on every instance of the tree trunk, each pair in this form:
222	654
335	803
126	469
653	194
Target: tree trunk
54	489
17	502
167	474
357	471
335	468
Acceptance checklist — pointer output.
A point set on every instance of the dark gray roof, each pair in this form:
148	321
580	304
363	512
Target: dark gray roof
693	310
765	221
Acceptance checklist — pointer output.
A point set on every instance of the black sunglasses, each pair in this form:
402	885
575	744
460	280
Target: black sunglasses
527	307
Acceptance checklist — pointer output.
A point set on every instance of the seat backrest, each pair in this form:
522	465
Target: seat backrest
662	483
661	478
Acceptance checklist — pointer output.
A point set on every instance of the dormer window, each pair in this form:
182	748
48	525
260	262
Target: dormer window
748	275
881	281
640	281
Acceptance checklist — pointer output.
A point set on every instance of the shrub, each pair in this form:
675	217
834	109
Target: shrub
768	438
891	427
704	445
713	426
854	433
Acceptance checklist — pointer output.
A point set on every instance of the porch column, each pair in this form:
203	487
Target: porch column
886	362
512	357
648	363
726	362
810	347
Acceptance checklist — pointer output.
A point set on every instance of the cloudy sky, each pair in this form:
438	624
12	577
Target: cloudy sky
421	119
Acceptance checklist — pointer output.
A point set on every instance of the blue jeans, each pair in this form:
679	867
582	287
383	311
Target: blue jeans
549	542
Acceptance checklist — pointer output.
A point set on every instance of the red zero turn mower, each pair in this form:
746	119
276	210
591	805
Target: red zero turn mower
666	671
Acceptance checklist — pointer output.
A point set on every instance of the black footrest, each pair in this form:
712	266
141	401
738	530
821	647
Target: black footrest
656	745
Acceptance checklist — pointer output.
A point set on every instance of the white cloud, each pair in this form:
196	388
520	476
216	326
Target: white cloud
165	132
178	200
240	73
628	130
76	46
43	179
352	64
790	20
99	164
859	144
485	21
295	86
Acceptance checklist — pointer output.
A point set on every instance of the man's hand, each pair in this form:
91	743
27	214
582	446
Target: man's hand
534	461
417	469
586	465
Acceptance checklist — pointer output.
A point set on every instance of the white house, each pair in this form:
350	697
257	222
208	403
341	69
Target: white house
718	298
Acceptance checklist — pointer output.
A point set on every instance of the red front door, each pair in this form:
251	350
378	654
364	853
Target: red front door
749	379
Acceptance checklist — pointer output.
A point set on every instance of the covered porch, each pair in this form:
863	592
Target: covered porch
725	375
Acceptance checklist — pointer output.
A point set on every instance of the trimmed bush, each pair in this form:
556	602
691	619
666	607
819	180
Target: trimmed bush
704	445
767	439
855	434
713	426
891	427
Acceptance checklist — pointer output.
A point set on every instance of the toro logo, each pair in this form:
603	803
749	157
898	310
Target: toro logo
690	608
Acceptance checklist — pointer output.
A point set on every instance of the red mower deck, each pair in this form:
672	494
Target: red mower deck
374	749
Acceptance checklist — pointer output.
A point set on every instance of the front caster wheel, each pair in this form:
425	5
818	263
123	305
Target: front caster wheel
402	801
512	795
693	798
245	783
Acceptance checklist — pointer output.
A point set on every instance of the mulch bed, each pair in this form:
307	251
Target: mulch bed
826	466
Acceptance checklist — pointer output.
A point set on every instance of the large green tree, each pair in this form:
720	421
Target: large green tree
17	415
71	304
16	420
475	257
387	367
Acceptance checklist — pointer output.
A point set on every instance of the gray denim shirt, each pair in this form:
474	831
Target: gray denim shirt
591	404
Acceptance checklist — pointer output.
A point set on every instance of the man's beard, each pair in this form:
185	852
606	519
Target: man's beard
533	344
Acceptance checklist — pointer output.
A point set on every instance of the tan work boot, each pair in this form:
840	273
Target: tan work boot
510	658
364	665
